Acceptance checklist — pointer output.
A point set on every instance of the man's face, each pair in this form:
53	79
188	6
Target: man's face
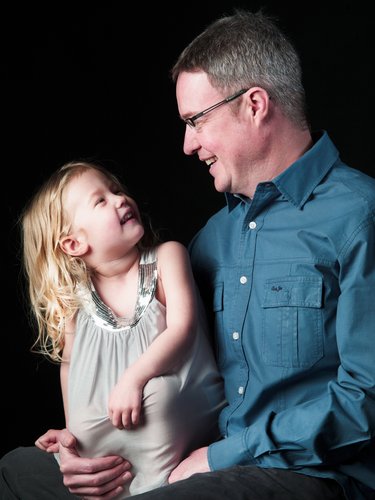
220	138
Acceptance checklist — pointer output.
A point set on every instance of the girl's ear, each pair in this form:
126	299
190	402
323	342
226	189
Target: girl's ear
75	247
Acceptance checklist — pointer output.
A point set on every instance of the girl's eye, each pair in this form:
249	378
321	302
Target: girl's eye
99	200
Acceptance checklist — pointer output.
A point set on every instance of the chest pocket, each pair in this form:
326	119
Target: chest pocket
292	329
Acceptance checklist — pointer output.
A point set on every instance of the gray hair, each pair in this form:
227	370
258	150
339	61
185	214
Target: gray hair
245	50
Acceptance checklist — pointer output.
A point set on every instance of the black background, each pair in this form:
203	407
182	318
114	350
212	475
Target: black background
86	81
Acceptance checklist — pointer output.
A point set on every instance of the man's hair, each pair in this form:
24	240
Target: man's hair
245	50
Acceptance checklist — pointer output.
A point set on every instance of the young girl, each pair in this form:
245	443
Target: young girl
122	316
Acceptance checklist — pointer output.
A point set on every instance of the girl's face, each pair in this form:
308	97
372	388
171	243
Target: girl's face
105	223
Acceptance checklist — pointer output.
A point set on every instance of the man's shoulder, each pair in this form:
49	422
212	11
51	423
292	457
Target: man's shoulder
210	232
219	215
358	184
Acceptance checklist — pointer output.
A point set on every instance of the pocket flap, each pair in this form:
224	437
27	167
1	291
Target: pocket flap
297	291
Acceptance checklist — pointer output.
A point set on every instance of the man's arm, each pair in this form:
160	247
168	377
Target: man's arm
339	424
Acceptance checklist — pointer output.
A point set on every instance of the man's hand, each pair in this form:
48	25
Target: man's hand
49	441
196	462
91	478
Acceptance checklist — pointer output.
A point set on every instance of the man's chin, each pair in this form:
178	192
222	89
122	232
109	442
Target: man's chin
219	187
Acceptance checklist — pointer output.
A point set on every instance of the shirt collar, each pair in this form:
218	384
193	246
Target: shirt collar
299	180
234	199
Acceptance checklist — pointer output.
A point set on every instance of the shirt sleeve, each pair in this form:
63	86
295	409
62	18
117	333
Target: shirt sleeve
338	425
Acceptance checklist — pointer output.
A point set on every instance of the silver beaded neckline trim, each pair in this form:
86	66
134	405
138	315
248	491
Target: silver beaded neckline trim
103	315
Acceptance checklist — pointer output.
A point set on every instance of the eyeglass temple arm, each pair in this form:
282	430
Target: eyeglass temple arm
230	98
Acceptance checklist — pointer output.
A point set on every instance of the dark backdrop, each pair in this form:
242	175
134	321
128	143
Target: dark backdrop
93	82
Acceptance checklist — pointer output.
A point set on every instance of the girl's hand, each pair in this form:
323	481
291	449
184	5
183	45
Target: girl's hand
125	401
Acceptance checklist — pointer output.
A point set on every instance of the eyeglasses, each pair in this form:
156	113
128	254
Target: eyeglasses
191	121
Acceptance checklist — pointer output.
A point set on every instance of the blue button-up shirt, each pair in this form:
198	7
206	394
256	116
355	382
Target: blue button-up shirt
290	278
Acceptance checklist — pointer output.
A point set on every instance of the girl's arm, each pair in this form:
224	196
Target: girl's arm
49	441
64	367
176	289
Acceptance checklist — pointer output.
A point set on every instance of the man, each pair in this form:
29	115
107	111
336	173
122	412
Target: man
287	267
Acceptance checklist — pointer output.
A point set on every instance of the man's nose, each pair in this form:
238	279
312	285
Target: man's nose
191	143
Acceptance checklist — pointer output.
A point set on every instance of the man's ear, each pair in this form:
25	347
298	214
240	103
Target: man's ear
258	99
73	246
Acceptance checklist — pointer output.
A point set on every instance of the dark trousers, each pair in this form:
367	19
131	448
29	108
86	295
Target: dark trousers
248	483
32	474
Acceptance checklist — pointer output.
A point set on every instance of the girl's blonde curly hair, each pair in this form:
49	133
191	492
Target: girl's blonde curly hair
53	275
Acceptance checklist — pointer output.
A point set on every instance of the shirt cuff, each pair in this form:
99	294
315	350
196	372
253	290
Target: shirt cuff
228	452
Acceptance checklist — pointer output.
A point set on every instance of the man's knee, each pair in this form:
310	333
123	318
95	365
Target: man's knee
16	456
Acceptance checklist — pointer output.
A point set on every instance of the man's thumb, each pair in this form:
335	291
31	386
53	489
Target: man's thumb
67	440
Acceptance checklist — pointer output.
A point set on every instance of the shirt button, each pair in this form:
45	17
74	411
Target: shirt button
252	224
235	335
240	389
243	280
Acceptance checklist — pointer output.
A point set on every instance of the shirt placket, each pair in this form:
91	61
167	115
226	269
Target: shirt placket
250	220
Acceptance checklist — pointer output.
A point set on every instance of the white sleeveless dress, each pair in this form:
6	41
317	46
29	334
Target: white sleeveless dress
180	410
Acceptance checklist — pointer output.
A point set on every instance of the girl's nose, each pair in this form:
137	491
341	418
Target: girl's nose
120	200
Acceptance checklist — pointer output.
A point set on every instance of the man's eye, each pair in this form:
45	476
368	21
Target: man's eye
198	122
